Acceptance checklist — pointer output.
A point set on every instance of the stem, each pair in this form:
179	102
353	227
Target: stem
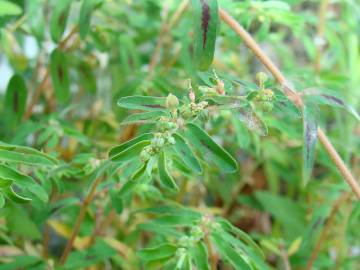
79	220
325	230
212	255
292	95
102	226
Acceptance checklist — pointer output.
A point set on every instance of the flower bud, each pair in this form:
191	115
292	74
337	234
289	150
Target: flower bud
172	102
261	77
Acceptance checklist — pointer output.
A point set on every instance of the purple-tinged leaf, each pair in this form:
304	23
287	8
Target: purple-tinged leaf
329	98
310	124
206	20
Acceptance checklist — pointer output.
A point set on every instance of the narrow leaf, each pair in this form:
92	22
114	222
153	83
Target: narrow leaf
87	7
60	75
28	151
184	151
13	175
155	253
206	21
8	8
227	251
13	196
30	159
130	152
165	178
199	255
116	201
228	102
15	98
328	98
59	19
210	149
143	103
118	149
310	125
143	118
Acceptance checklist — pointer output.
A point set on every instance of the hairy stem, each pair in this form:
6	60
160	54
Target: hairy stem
86	202
252	45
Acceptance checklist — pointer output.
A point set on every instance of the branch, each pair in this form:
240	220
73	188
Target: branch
293	96
79	220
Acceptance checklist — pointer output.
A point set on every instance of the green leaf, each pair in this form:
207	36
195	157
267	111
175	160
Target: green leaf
311	117
199	254
9	9
131	184
116	201
285	105
59	19
5	182
155	253
16	198
329	98
228	102
118	149
39	192
87	7
22	262
15	98
227	226
206	20
130	152
60	75
30	155
143	118
165	178
209	148
234	256
184	151
176	220
9	173
143	103
24	158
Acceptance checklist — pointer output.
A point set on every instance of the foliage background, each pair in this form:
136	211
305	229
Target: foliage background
265	198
